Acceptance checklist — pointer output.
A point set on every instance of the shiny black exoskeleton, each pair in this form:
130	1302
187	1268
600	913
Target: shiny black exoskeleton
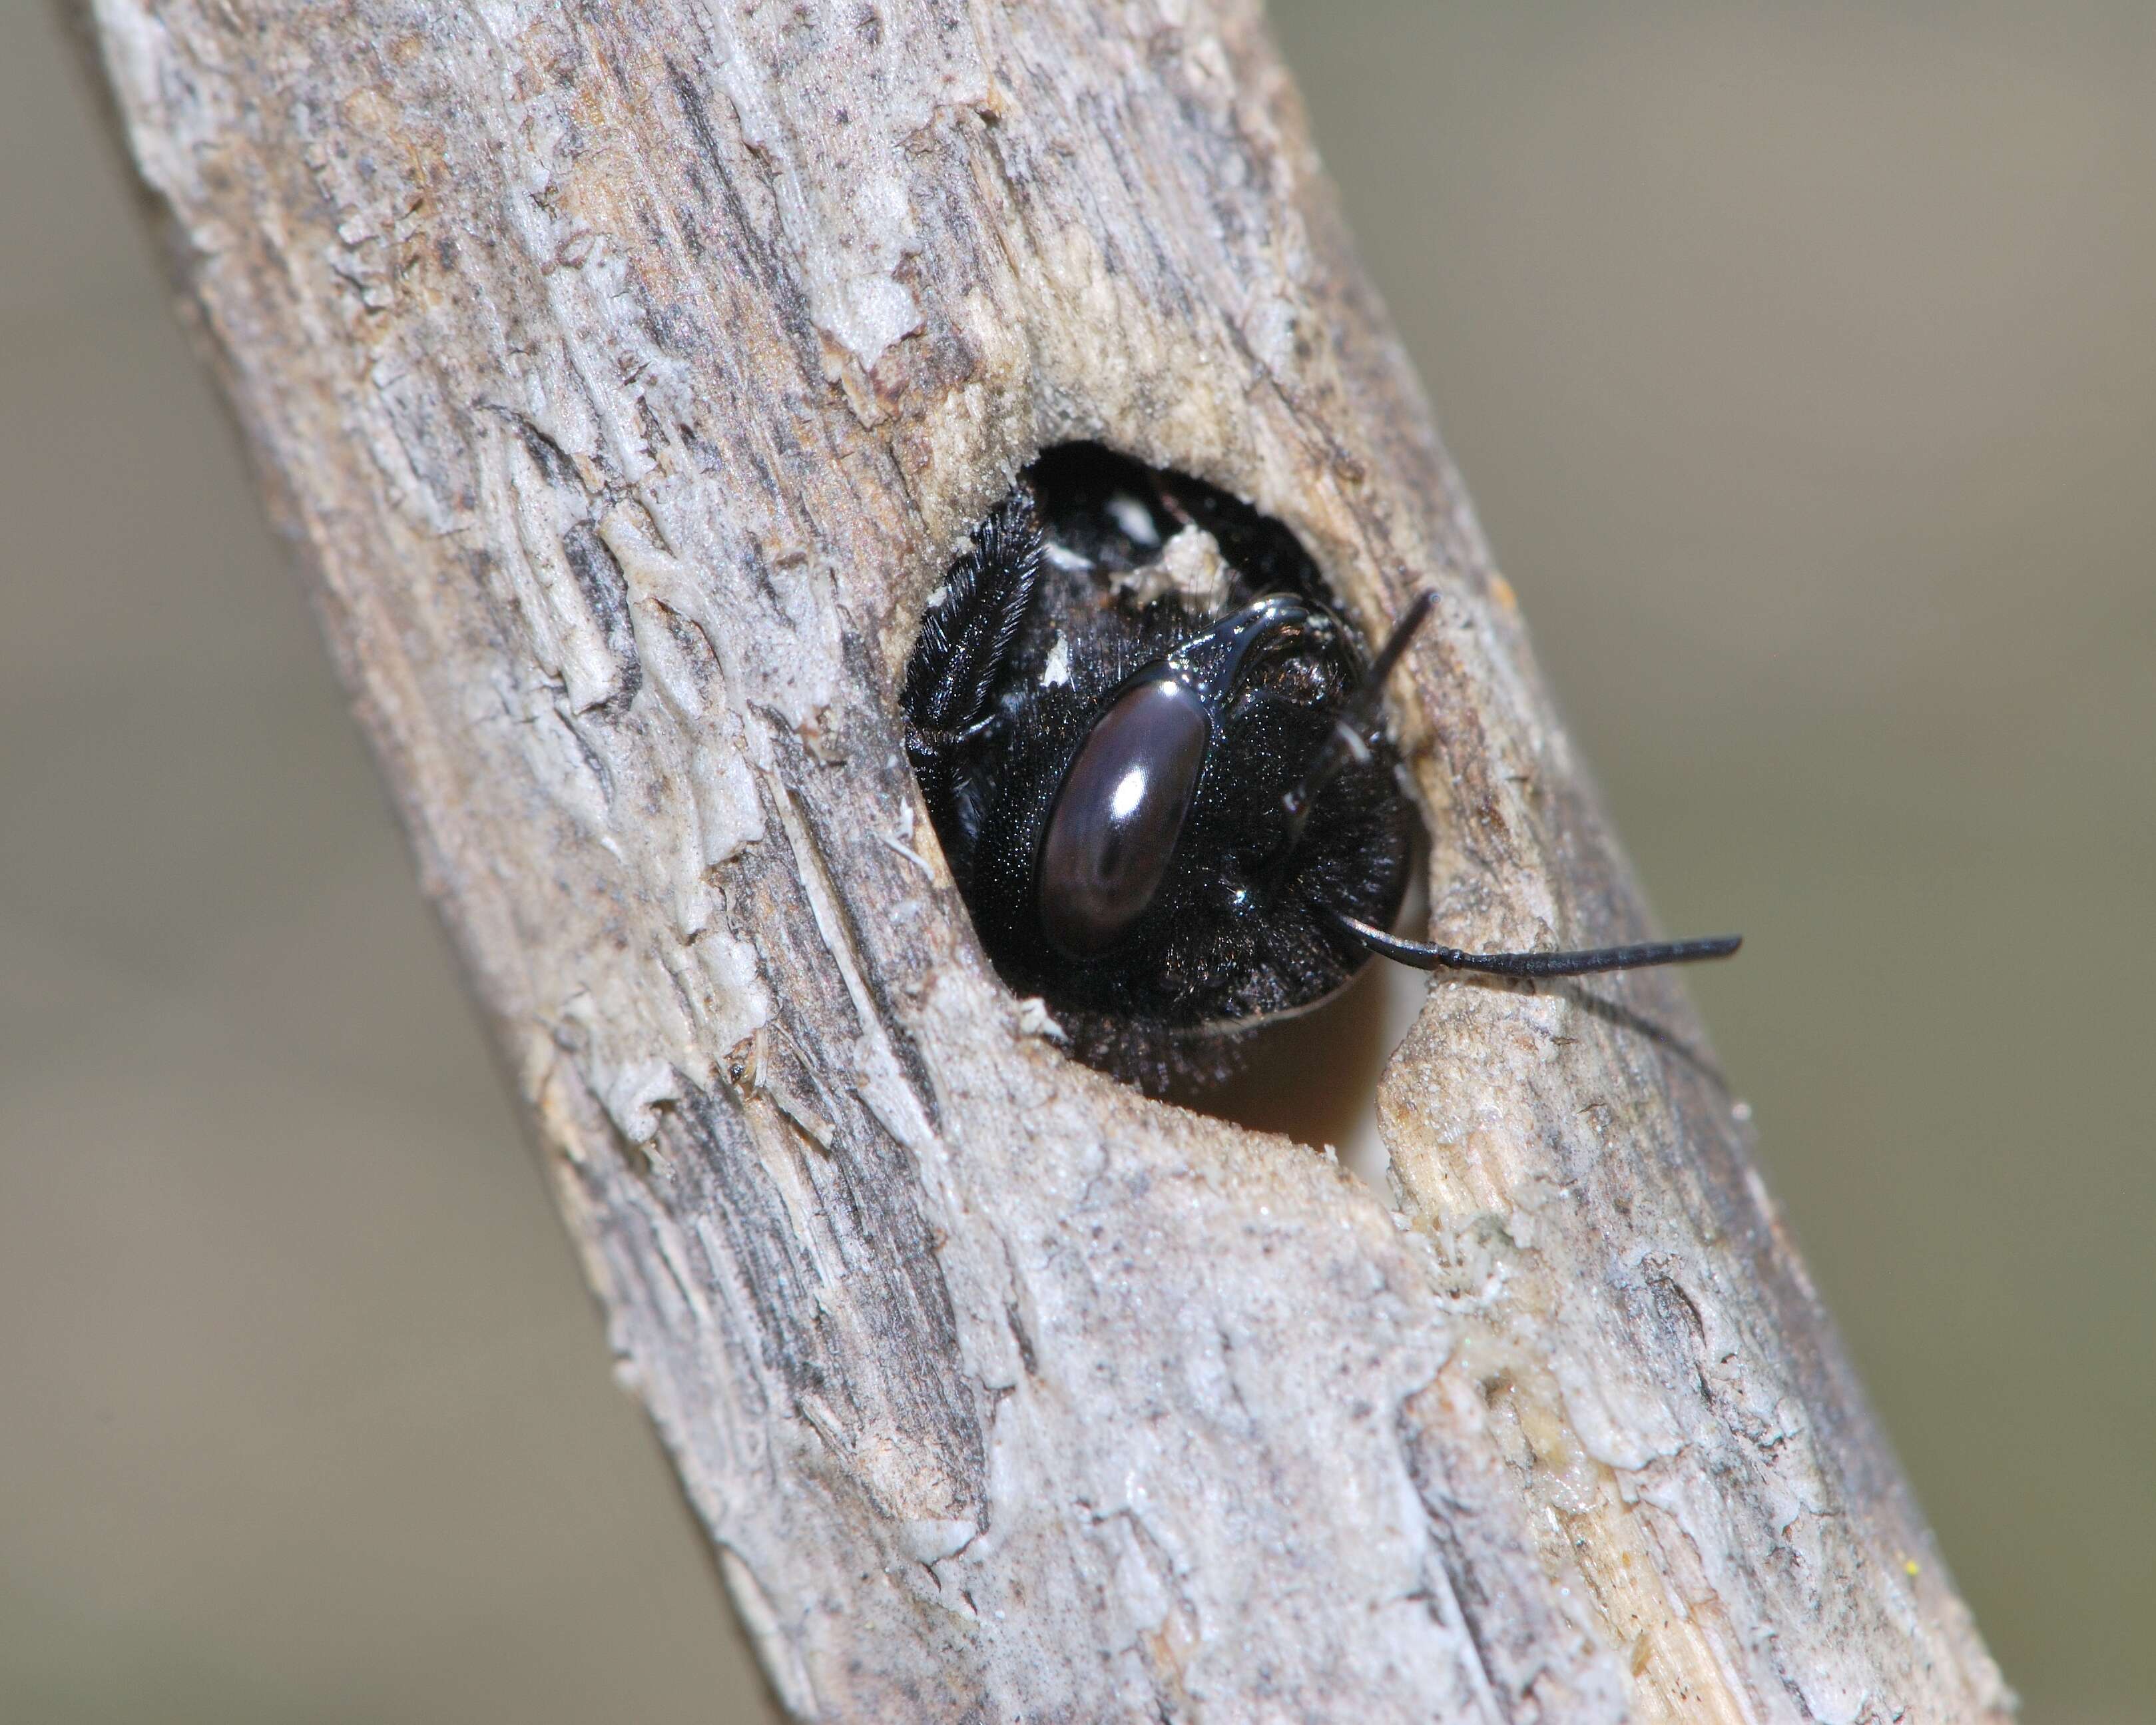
1115	696
1155	763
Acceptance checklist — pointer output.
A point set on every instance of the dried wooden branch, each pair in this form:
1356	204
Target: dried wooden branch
625	375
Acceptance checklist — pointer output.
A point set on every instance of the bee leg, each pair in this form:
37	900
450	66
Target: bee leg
966	636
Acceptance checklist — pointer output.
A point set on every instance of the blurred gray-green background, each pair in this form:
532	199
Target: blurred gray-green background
1802	360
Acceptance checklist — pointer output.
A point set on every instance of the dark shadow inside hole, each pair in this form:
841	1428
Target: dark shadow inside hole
1135	862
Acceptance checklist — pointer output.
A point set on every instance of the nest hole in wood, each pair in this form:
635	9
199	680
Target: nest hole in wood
1121	675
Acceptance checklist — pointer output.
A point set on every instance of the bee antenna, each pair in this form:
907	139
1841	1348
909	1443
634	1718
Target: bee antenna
1425	956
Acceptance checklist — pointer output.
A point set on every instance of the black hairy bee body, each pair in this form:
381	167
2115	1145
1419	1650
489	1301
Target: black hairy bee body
1113	701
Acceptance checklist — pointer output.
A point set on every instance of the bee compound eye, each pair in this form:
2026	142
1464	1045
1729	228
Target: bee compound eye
1115	819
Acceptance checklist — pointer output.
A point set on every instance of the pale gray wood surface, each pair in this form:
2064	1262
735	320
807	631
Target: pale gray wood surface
624	376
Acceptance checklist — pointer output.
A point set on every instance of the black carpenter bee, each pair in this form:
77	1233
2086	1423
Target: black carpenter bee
1157	765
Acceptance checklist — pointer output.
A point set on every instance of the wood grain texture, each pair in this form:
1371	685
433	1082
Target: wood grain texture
625	375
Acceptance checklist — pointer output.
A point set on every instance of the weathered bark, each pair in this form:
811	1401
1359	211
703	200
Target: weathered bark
625	375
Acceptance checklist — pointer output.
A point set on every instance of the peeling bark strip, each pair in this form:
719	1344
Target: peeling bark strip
626	374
